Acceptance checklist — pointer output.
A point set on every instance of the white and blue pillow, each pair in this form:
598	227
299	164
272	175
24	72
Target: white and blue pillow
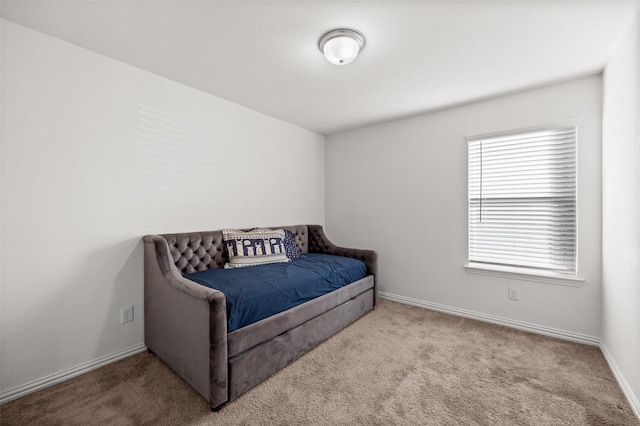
290	247
255	247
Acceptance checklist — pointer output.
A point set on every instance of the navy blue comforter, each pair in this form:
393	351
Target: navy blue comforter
257	292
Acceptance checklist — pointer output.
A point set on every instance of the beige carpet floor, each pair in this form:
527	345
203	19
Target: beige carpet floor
398	365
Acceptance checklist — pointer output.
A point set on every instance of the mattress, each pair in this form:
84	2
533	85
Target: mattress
257	292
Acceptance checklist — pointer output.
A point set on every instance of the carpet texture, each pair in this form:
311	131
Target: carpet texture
397	365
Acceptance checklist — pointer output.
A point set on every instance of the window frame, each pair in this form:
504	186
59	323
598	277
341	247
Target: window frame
523	273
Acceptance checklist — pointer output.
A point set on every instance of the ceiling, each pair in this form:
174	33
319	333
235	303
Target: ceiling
419	55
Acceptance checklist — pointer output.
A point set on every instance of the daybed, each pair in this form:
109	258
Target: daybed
186	322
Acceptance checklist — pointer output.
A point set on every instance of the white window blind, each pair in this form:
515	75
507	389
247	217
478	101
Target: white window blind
522	200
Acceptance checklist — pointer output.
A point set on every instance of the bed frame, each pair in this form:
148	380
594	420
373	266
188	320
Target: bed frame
186	323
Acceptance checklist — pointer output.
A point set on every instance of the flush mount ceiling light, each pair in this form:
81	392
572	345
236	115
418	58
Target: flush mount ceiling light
341	47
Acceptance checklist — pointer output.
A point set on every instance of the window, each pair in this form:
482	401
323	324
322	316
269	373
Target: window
522	201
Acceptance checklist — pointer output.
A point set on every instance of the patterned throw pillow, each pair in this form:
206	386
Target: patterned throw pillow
255	247
290	247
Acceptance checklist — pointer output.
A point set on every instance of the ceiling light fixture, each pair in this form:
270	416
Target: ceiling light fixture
341	47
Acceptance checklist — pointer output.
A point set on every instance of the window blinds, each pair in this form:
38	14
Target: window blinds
522	200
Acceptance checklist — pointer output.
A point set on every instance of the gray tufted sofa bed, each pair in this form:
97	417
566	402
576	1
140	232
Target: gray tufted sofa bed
186	323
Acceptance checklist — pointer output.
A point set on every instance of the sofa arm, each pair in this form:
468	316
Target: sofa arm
319	243
173	275
185	323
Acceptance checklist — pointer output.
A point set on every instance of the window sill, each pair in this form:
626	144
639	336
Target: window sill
523	274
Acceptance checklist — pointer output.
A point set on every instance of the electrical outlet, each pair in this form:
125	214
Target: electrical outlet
126	314
514	293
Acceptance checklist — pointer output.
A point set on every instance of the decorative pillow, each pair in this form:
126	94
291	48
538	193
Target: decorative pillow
290	247
255	247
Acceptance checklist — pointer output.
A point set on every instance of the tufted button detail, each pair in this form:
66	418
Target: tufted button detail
195	251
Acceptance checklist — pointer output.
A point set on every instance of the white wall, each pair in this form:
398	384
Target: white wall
401	188
95	154
621	212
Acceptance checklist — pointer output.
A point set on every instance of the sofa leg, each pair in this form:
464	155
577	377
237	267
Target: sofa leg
218	408
149	351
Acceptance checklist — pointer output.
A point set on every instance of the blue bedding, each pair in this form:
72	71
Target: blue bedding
257	292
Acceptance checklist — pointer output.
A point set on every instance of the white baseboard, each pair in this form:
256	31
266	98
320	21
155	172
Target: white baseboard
53	379
624	385
520	325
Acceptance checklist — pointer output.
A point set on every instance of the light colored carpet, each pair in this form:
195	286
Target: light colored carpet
397	365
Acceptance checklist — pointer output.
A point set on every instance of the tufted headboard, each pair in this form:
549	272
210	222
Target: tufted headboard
199	251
